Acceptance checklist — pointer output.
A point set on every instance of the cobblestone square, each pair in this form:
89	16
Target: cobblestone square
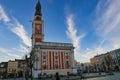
116	76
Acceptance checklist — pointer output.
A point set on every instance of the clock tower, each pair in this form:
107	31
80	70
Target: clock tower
37	26
49	57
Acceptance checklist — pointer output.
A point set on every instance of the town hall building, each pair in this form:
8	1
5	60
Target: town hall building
49	57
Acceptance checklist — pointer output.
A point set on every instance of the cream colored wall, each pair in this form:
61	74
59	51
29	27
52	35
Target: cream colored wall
12	65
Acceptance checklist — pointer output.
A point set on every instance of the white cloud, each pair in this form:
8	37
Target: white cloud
25	49
3	15
8	53
107	26
108	22
15	27
19	30
22	49
72	34
89	53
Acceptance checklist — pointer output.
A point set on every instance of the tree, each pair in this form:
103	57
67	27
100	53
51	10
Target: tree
108	60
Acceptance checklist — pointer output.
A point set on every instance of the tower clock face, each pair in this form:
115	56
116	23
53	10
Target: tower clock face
38	29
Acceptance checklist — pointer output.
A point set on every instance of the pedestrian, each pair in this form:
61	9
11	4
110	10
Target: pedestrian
81	74
57	76
67	76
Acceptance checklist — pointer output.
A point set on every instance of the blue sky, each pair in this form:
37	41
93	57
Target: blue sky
91	25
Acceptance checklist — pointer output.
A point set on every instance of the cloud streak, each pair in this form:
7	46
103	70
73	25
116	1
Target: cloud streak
107	27
72	35
8	52
17	29
108	21
72	32
3	15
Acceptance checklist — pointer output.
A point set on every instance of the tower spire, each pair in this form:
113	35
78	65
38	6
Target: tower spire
38	9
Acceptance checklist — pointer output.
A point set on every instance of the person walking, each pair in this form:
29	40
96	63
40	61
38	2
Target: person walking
81	74
57	76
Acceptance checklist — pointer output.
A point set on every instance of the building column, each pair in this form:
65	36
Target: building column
37	69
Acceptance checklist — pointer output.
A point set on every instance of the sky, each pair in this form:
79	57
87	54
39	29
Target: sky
92	26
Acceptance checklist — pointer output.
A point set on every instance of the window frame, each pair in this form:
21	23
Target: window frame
67	53
44	53
55	53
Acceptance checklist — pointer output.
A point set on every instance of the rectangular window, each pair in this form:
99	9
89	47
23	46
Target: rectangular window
56	63
44	63
55	53
67	63
44	53
66	54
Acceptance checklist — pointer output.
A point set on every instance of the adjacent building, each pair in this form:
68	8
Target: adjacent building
3	69
111	59
22	67
12	68
17	68
49	57
95	60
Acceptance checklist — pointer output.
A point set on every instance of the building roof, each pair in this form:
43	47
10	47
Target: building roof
54	45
